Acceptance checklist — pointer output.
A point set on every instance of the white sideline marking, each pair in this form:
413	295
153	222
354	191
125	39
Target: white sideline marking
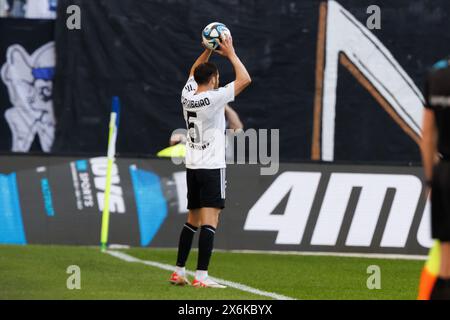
333	254
128	258
389	256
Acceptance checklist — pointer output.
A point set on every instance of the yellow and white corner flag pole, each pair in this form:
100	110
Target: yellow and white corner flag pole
113	128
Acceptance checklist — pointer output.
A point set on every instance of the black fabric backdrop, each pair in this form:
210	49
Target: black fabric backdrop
142	50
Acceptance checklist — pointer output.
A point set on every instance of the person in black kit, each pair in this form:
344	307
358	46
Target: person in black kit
436	161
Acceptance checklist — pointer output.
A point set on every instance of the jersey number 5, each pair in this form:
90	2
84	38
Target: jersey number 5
193	130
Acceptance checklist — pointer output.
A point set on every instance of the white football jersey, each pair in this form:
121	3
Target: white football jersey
205	120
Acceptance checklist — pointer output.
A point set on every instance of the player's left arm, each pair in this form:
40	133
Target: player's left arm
233	119
428	145
204	57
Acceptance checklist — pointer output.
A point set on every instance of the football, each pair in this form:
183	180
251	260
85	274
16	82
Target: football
211	34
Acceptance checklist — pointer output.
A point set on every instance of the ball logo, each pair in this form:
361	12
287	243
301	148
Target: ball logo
29	79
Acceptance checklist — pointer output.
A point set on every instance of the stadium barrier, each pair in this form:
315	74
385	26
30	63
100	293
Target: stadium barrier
305	207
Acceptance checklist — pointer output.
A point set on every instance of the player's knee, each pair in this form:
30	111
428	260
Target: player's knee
194	218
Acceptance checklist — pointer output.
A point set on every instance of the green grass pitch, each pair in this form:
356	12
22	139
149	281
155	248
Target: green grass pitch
39	272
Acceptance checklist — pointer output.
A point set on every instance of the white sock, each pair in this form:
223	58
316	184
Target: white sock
181	271
201	275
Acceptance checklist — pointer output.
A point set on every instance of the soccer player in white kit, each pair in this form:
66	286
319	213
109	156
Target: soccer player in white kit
203	108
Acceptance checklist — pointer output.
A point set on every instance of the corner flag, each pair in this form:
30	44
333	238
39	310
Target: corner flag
113	128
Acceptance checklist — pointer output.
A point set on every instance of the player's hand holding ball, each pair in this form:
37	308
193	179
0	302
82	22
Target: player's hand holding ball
226	46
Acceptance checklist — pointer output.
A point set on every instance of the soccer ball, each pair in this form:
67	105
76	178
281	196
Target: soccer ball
212	33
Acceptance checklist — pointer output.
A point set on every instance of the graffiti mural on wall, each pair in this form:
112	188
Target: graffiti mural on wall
342	39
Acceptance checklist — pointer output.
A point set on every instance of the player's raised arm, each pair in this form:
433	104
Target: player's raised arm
242	76
204	57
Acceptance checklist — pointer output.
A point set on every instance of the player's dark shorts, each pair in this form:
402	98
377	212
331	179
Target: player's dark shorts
206	188
440	202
